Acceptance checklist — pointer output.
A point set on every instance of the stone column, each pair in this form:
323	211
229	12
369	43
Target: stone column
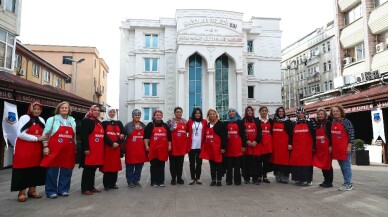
211	87
239	90
181	88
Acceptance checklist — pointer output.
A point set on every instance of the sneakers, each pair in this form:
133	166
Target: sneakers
345	187
64	194
137	184
154	185
131	185
192	182
52	196
162	185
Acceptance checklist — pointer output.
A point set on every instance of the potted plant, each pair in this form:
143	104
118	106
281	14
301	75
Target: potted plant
360	155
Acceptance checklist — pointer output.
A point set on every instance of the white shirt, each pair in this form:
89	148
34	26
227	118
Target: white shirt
196	135
23	120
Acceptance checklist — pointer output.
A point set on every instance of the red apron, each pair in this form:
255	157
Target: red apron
212	148
339	139
322	158
112	161
280	153
251	131
233	148
159	144
96	146
179	140
135	152
28	153
302	148
62	149
266	140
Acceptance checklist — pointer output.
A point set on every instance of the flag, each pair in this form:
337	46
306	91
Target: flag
378	124
10	126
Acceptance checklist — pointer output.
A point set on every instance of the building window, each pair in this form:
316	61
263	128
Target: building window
67	60
328	46
359	49
46	75
151	41
324	67
222	93
331	85
148	112
379	2
251	91
150	64
195	82
353	14
35	70
7	44
150	89
326	86
250	46
329	65
18	61
58	82
250	69
95	63
324	47
10	6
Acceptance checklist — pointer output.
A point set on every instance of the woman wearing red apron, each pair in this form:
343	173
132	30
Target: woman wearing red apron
235	144
157	141
303	144
197	130
252	150
26	170
114	136
135	153
281	144
342	134
215	146
265	144
178	128
59	151
322	155
92	146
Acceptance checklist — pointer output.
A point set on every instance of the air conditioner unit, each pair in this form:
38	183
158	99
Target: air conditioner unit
20	71
381	47
349	79
347	60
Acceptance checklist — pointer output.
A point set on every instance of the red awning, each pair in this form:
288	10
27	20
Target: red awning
358	101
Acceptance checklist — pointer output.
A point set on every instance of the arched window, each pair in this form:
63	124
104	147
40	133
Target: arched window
222	92
195	82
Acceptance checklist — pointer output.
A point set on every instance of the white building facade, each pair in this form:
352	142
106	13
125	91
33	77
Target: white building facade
201	58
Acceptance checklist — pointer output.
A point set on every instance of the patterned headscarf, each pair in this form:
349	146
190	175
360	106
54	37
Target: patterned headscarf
235	118
90	114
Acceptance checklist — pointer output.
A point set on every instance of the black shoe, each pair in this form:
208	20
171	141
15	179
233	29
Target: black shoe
180	182
256	182
246	181
173	182
115	187
326	185
237	183
322	184
219	183
284	182
213	183
229	183
192	182
266	180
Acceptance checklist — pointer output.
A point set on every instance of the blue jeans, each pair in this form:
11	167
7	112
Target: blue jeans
133	172
62	185
346	169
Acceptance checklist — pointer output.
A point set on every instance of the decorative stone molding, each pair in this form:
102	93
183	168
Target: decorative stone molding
181	71
170	81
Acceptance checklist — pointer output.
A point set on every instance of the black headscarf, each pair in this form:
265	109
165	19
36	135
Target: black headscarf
33	119
193	115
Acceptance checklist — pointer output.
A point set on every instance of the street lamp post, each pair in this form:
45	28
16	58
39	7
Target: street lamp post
76	73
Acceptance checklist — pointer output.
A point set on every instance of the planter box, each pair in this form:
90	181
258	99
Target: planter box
360	157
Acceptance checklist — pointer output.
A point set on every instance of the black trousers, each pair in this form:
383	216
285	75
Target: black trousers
233	169
264	165
195	163
88	176
216	170
157	171
176	167
250	167
23	178
328	175
109	179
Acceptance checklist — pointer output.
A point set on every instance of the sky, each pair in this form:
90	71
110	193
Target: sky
96	23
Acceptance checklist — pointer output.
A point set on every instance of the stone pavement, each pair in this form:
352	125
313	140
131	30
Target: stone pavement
368	198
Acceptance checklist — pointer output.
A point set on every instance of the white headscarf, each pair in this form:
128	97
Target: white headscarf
107	114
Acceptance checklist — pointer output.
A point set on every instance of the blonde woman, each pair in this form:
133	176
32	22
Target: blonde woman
59	151
215	146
